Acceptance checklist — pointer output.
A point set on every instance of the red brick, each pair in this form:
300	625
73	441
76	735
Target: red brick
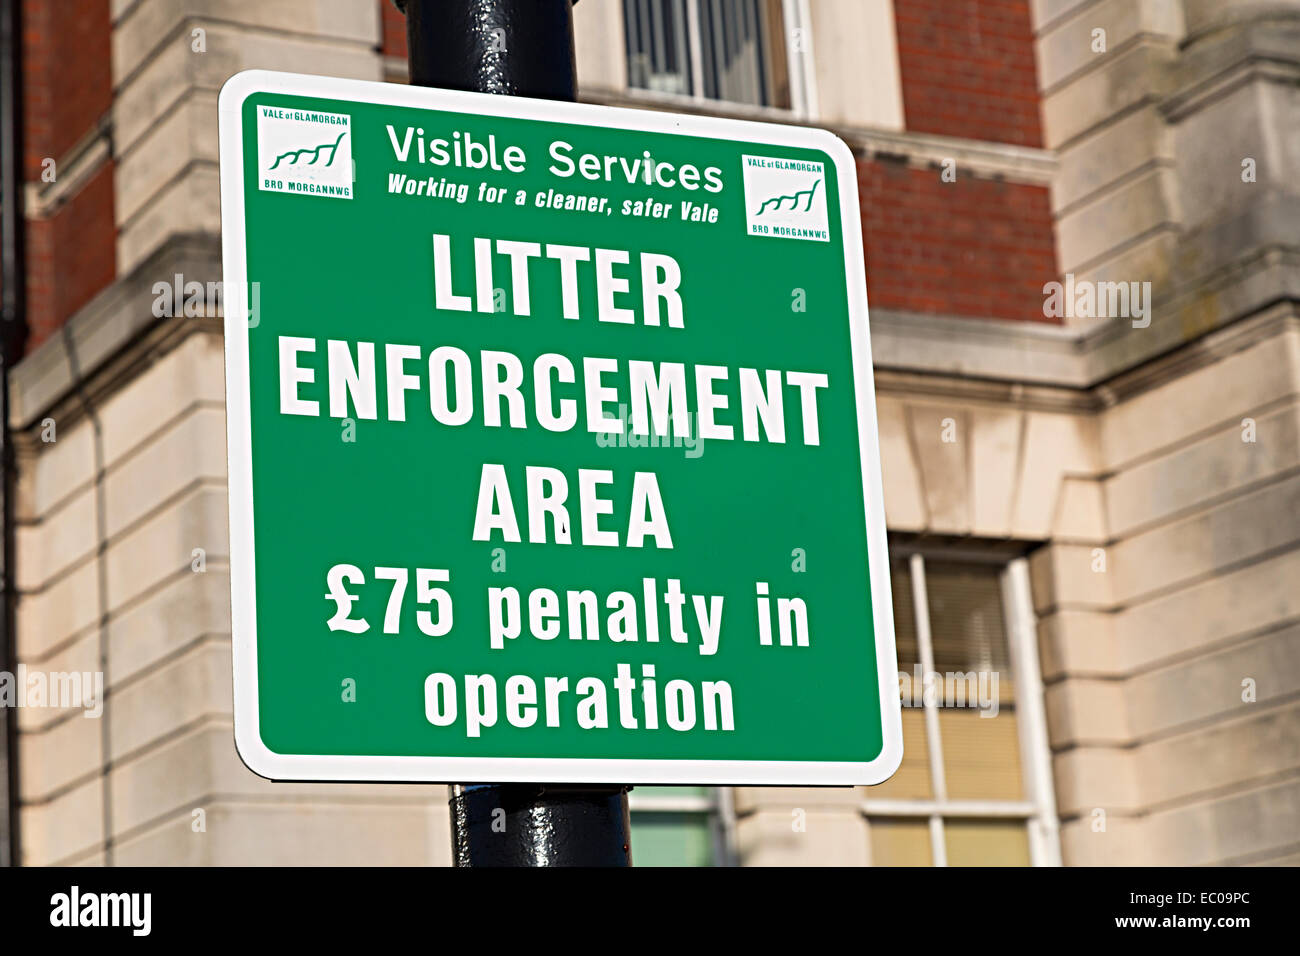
394	28
981	248
67	76
70	256
968	69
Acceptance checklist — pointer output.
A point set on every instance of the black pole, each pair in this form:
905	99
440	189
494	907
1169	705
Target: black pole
515	48
509	47
539	825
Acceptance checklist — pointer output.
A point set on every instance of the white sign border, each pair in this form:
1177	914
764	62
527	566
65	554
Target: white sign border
243	578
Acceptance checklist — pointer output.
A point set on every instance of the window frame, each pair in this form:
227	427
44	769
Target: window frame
717	802
1038	808
795	15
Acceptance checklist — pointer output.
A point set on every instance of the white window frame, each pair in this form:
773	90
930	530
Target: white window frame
795	14
1038	809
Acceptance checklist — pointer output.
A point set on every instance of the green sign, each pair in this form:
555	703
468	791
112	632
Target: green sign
552	442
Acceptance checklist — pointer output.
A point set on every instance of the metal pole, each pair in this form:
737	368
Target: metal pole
515	48
509	47
539	825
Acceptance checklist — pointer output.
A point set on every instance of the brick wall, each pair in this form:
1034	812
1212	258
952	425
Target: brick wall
975	247
394	27
70	256
968	69
67	75
67	90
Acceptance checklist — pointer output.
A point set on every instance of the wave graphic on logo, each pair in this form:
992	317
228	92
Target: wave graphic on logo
793	197
316	153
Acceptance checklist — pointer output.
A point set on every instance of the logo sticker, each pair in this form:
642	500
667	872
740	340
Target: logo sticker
785	198
304	152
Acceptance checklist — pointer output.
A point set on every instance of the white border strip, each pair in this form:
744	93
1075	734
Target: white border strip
243	579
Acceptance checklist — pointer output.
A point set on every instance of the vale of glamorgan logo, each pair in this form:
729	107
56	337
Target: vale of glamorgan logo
785	198
304	152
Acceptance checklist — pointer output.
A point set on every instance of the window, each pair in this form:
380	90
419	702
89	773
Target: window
734	50
682	826
975	784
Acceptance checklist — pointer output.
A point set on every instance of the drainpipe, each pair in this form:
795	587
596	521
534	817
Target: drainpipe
13	337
